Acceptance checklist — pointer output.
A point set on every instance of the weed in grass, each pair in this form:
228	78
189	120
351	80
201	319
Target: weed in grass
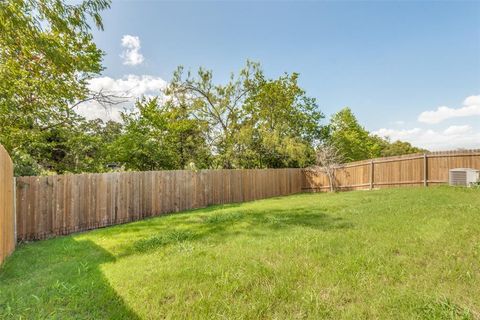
224	218
444	309
159	240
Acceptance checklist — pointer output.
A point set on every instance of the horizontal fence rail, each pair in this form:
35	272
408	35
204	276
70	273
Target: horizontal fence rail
7	216
408	170
63	204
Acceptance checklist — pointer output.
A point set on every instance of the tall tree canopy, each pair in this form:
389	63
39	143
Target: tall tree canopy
220	106
355	143
47	54
346	133
397	148
281	126
160	137
47	57
252	121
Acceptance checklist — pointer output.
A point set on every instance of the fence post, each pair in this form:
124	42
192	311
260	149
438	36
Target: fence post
425	168
7	202
14	189
371	174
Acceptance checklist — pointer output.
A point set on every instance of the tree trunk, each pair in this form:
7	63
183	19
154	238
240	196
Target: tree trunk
331	179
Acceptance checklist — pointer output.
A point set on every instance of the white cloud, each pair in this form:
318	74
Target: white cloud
128	88
457	130
453	137
131	54
131	85
471	108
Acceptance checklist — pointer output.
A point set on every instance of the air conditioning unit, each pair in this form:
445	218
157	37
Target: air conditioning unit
464	177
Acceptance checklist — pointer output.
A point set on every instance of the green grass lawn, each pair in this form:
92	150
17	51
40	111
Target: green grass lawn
399	253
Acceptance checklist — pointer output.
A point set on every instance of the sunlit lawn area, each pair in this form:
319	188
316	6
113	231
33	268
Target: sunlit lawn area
398	253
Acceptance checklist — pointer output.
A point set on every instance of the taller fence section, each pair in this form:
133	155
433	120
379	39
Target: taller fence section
409	170
7	211
57	205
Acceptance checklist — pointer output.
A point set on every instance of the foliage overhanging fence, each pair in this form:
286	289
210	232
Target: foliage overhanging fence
408	170
7	214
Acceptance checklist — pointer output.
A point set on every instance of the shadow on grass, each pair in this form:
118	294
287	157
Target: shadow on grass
59	279
223	226
62	278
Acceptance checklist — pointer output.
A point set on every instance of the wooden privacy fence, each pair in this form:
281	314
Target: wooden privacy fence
409	170
57	205
7	215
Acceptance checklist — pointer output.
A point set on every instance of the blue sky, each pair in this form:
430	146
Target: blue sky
389	61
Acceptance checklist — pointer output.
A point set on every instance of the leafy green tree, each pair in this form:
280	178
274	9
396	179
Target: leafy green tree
47	55
159	137
72	149
398	148
251	121
353	141
219	106
86	146
281	125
